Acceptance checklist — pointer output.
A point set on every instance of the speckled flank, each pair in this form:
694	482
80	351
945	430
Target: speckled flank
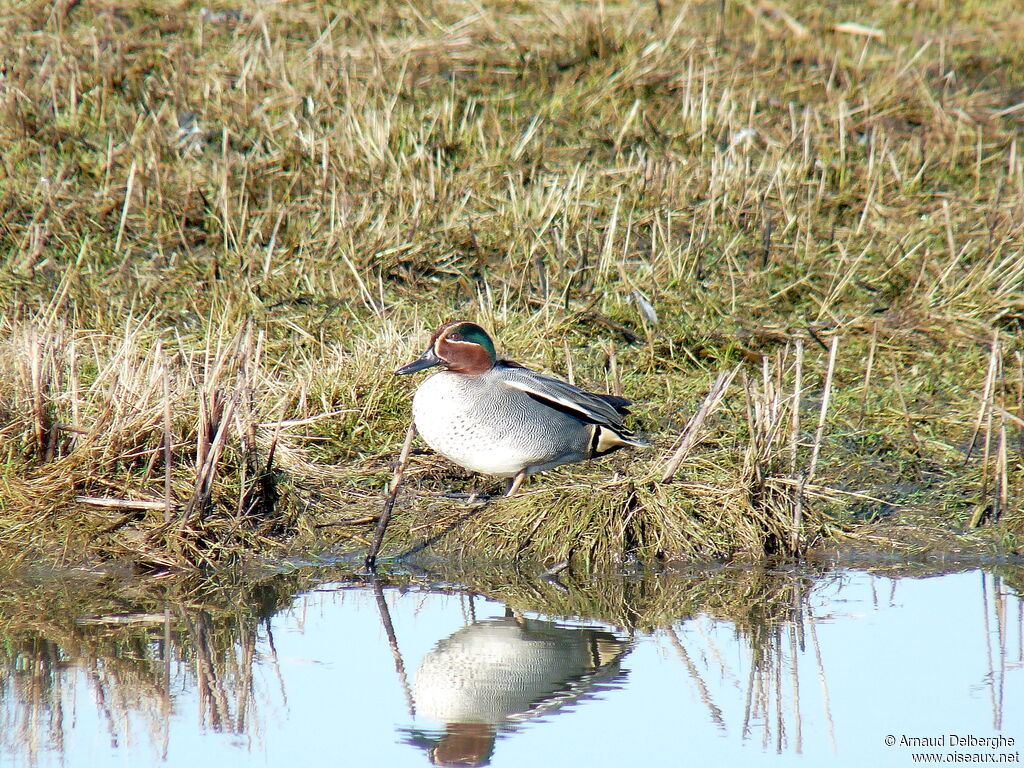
496	668
485	426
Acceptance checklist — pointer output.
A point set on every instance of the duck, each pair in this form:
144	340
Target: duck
499	418
493	676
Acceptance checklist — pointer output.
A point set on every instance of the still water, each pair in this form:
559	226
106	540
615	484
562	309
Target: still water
318	667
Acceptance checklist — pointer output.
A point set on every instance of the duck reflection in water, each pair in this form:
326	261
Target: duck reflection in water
494	675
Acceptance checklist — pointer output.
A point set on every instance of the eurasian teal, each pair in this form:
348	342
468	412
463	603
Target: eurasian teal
499	418
497	674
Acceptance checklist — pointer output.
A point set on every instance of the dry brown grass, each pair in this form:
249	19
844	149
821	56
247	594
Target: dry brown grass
220	233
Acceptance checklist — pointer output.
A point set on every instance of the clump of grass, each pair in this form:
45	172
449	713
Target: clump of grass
133	442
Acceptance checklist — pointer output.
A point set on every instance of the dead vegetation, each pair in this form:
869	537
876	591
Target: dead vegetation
222	231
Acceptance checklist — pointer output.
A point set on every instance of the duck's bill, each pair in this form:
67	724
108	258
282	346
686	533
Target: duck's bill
427	360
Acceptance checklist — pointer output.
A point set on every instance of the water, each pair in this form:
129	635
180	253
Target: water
726	666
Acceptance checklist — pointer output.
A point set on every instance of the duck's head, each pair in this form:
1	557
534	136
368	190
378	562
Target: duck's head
460	347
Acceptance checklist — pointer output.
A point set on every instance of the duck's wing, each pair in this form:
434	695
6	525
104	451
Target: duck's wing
603	410
621	404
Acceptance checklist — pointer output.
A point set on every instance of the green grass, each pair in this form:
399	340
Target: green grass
267	214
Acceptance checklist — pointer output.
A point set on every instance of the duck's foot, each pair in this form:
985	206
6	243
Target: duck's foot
550	576
471	498
513	483
557	568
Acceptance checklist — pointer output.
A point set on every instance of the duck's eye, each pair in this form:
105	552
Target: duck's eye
455	337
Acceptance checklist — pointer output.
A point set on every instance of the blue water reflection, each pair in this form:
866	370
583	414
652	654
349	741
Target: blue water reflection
745	667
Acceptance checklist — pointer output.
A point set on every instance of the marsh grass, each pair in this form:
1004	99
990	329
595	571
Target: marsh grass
221	232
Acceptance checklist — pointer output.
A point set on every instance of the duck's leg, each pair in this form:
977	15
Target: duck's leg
472	496
513	483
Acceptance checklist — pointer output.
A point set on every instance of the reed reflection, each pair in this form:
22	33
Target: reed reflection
126	652
770	614
129	657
